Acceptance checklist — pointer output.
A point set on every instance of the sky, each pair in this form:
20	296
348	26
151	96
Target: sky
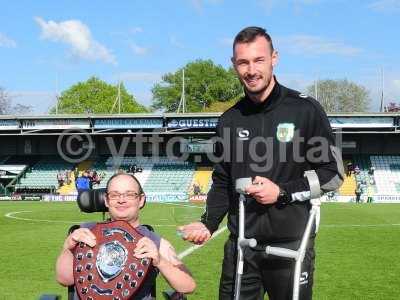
47	46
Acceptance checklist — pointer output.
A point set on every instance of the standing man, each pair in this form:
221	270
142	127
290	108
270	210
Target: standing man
358	193
124	199
273	134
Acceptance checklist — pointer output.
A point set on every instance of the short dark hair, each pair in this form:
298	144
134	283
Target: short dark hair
249	34
126	174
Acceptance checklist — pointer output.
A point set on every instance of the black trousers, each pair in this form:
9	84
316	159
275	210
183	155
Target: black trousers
264	273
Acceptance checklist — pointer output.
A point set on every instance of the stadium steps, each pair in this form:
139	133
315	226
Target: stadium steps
349	184
202	177
348	187
68	189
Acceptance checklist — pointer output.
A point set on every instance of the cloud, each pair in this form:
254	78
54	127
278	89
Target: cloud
199	4
226	41
138	50
135	30
7	42
269	5
314	45
175	42
140	77
396	83
77	35
385	5
40	101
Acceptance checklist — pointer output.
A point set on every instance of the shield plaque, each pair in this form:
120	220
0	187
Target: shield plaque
109	270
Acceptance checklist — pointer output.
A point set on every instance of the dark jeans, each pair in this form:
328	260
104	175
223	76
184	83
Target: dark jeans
266	274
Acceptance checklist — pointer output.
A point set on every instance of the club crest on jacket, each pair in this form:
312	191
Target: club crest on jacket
285	132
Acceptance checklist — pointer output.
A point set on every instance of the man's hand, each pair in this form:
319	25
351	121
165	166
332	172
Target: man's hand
80	235
263	190
196	233
145	248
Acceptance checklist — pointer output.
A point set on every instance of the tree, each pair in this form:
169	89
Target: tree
6	106
20	109
205	84
5	102
340	95
222	106
97	97
392	107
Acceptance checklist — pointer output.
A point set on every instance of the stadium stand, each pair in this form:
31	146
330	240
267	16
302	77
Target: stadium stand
387	174
157	174
3	159
42	176
109	165
170	176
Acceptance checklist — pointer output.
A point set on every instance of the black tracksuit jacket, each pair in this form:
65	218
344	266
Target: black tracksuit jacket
280	139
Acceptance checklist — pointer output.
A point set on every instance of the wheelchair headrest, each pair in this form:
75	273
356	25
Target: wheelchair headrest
92	201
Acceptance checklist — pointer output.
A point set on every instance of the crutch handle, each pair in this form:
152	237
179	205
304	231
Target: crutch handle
282	252
247	242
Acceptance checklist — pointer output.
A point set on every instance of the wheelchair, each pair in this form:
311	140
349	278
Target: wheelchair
91	201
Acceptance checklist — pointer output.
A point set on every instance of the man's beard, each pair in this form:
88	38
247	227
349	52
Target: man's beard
259	91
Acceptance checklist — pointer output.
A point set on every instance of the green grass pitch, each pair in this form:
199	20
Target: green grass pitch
358	249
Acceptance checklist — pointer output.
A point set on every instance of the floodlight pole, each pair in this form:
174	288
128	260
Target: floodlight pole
383	88
119	98
182	100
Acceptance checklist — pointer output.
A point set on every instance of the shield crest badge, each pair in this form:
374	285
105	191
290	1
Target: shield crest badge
285	132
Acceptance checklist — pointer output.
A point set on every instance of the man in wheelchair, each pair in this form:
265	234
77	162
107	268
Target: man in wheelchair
124	198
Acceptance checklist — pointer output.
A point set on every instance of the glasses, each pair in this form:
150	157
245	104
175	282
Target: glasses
128	195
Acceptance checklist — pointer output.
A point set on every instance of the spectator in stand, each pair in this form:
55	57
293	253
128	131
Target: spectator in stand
349	168
60	179
132	169
102	175
330	196
76	173
95	178
90	176
82	183
196	189
371	171
68	176
356	170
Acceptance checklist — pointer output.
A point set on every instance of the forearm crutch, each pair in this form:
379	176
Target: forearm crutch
314	216
242	242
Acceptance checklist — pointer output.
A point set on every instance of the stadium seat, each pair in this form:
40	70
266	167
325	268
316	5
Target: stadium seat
387	173
43	174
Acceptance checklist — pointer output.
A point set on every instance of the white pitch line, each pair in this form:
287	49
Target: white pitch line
358	225
12	214
218	232
184	205
190	250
